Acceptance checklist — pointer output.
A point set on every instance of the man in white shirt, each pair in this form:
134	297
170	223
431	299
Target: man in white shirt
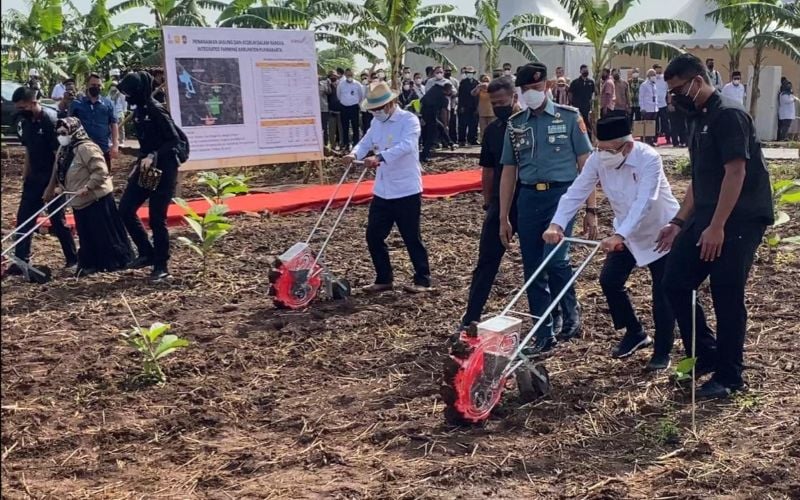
393	137
735	90
58	92
632	177
662	127
350	94
648	102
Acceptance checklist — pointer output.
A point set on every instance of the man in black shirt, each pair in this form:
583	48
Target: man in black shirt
491	250
468	109
720	224
41	143
581	92
433	103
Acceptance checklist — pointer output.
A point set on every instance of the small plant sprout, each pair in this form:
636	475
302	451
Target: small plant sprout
683	370
207	229
784	192
222	187
153	344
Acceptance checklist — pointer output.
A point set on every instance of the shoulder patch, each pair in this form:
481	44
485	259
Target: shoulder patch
581	123
518	113
568	108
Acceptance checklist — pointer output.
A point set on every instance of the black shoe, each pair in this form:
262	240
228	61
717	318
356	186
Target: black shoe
558	324
462	144
159	274
70	264
140	262
631	343
540	345
715	390
570	330
14	270
657	362
85	271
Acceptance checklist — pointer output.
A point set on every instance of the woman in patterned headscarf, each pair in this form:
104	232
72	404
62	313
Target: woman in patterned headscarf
81	169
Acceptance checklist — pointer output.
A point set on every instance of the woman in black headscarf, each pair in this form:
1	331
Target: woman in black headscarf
81	169
158	153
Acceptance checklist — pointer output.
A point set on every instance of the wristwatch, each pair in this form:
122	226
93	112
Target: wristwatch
379	157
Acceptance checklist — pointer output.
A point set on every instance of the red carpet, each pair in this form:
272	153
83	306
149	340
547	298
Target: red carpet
315	197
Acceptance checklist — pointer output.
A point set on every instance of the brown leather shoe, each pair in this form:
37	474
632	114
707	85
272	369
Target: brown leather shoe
377	288
417	288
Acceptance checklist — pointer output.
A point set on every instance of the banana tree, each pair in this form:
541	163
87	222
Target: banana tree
762	24
402	26
29	39
595	19
294	14
492	35
171	12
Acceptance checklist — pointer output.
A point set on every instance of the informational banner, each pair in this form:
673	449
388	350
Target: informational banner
244	96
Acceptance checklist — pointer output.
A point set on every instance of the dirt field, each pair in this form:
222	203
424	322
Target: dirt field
342	401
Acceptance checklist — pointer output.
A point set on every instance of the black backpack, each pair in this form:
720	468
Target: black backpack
182	149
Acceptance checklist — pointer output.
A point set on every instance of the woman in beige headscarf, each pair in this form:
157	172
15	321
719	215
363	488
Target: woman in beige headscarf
81	169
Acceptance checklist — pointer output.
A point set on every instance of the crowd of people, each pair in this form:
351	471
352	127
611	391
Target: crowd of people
69	152
459	112
540	170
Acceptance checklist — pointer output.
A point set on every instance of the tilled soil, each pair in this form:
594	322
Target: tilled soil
341	401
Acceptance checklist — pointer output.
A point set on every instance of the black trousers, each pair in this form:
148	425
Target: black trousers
324	119
585	113
662	125
490	254
783	129
157	203
349	117
107	157
617	269
452	127
383	215
686	272
651	140
366	121
468	127
677	127
636	113
30	203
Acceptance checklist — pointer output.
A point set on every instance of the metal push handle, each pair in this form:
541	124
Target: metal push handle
540	321
341	212
69	195
330	201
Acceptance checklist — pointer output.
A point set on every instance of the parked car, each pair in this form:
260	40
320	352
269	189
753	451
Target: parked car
11	120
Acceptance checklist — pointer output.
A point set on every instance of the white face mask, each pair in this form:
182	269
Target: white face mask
652	79
418	81
438	76
611	160
737	82
406	87
381	115
381	75
64	140
635	75
349	79
507	72
534	98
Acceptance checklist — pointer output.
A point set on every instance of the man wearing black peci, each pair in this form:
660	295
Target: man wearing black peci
721	222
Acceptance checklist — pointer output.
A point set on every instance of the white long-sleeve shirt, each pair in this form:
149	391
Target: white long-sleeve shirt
786	107
397	141
661	91
735	92
350	93
638	192
648	102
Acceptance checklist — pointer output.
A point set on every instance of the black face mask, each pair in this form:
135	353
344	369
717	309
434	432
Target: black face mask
685	105
711	66
447	74
26	113
616	77
93	91
584	74
503	112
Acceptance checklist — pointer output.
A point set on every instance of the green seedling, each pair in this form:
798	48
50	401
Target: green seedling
784	192
683	370
222	187
683	166
667	431
153	345
207	229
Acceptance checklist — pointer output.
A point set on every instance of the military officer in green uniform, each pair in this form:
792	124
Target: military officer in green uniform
545	146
